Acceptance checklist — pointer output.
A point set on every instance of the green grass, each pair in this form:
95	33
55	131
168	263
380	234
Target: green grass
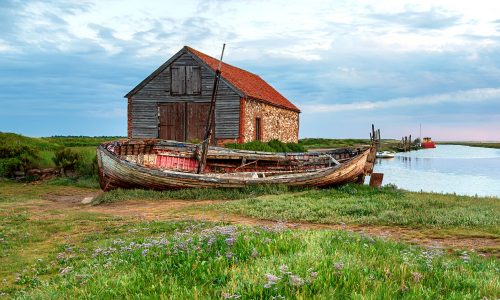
68	252
318	143
312	143
81	141
353	204
7	138
214	262
495	145
271	146
193	194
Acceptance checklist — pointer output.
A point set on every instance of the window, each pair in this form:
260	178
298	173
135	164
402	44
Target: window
258	129
185	80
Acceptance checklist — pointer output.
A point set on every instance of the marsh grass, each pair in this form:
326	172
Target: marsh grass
495	145
88	181
355	204
228	262
194	194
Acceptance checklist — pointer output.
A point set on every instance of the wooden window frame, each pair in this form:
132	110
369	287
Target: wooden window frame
258	129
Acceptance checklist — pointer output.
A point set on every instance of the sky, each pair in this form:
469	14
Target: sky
66	65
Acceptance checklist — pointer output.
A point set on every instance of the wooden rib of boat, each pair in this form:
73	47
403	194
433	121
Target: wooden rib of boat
160	165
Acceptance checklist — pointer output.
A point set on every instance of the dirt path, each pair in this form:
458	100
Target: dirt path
194	210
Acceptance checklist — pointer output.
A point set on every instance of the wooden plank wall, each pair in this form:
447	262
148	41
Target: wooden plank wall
145	102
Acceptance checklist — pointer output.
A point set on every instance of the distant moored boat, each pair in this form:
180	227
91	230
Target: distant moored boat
428	143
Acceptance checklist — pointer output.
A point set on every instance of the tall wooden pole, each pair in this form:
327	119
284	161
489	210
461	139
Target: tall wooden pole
209	131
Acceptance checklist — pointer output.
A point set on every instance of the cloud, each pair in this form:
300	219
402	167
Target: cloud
459	97
431	19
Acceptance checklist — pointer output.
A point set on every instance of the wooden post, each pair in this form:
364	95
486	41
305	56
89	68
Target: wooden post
376	179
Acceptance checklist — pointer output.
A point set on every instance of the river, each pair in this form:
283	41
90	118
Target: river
446	169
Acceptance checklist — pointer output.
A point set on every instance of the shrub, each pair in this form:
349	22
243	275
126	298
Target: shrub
16	157
66	159
252	146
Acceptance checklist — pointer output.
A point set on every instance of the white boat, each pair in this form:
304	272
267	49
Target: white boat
385	154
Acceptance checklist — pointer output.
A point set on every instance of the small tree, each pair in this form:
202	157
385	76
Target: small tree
66	159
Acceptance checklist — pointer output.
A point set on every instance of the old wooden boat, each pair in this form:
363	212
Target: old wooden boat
386	154
159	164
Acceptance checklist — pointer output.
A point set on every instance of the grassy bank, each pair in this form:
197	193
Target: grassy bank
495	145
20	153
51	249
353	204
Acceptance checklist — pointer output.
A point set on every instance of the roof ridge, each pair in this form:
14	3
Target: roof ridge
249	84
224	63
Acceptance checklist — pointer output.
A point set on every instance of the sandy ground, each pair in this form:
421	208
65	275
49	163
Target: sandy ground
194	210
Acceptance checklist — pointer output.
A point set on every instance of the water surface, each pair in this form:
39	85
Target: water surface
446	169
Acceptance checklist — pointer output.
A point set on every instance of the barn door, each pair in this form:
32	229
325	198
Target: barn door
172	121
197	116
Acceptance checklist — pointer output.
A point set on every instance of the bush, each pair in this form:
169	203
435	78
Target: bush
16	157
66	159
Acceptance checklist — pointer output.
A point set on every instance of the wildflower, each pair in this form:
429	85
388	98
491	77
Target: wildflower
229	296
339	266
230	241
296	280
416	276
65	270
272	278
229	255
314	275
284	269
255	253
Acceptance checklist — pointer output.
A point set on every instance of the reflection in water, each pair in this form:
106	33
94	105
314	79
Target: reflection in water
445	169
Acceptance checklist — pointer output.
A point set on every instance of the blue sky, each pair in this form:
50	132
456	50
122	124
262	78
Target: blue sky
65	65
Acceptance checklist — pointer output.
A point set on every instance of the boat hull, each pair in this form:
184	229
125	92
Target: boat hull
428	145
115	172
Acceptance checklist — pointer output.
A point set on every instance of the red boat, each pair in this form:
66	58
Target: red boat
428	143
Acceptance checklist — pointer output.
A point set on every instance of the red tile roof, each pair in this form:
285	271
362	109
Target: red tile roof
248	83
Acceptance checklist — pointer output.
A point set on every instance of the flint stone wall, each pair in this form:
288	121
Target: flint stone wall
276	123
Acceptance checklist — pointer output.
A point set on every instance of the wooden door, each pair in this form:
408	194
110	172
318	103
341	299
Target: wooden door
172	121
197	117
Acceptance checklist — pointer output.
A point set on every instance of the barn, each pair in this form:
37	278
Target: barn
173	103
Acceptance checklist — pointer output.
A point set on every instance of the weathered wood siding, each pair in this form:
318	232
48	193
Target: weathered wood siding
145	102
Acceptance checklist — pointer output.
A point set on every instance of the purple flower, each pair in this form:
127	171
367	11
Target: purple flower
339	266
296	280
272	278
284	269
230	241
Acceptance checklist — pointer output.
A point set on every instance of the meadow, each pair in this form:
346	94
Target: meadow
264	242
55	247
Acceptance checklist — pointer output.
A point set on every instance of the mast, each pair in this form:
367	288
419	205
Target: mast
209	130
420	137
